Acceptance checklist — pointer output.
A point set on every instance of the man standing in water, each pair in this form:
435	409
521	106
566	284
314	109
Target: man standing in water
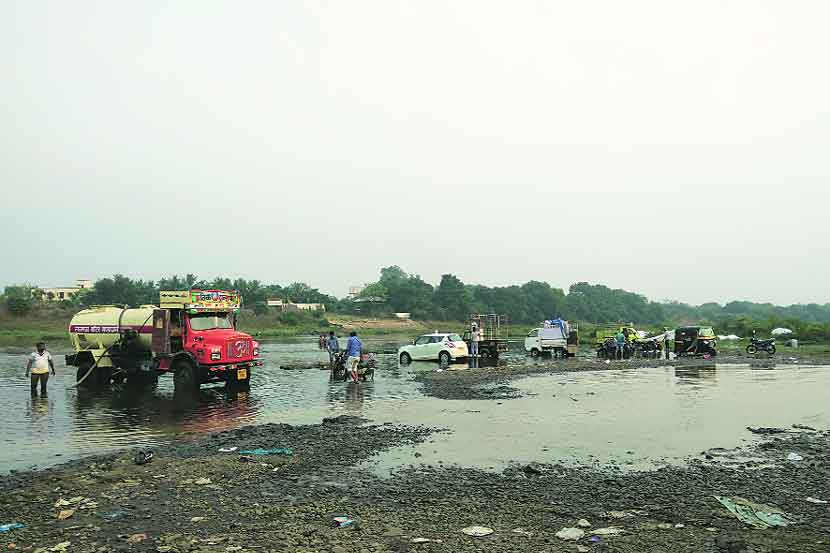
474	340
40	363
333	347
353	350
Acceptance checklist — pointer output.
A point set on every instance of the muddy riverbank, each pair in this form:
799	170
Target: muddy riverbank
491	380
193	498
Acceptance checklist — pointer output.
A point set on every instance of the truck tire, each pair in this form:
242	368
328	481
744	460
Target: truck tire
185	378
535	352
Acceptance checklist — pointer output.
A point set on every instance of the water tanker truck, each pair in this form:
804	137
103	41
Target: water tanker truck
191	334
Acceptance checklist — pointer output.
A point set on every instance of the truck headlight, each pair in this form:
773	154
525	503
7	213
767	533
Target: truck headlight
256	352
215	356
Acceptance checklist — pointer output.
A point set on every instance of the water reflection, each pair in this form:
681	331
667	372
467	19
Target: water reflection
696	376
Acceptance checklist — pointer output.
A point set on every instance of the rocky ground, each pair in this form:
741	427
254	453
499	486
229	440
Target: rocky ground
193	498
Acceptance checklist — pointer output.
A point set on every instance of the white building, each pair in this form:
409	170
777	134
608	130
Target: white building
60	293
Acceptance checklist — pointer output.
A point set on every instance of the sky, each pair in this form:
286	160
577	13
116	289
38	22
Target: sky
678	150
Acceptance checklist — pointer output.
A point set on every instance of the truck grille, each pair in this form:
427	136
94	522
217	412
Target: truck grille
239	349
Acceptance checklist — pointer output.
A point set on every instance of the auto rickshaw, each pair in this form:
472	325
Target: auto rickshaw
694	341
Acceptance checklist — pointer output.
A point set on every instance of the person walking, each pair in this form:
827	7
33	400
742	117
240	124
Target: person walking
333	347
475	339
354	347
40	363
620	341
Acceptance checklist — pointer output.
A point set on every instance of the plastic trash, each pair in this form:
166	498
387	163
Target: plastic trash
203	481
273	451
794	457
10	526
477	531
583	523
115	515
610	531
65	514
522	532
570	534
755	514
425	540
816	501
62	546
136	538
804	427
227	449
143	457
343	521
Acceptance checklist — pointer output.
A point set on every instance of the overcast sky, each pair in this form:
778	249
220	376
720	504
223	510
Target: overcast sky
680	150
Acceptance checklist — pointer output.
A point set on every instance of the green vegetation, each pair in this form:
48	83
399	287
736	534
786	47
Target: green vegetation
25	314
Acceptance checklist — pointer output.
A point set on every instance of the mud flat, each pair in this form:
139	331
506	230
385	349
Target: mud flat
193	498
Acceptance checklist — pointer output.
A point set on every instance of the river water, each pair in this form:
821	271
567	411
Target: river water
637	418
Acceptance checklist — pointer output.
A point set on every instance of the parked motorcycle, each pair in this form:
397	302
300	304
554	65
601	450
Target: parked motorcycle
756	345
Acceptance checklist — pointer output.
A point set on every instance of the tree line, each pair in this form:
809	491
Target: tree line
451	299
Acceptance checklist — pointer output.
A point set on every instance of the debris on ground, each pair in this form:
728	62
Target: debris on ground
227	449
203	481
143	457
65	514
766	430
10	526
61	547
570	534
610	531
136	538
794	457
272	451
343	521
477	531
816	501
805	427
522	532
425	540
583	523
755	514
197	519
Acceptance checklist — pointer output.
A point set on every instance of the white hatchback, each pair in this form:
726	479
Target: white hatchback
439	346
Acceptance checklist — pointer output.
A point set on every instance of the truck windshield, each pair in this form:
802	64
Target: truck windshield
209	321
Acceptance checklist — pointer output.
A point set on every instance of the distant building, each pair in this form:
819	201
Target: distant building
60	293
290	306
355	291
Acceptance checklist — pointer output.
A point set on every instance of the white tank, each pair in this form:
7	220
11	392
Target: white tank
99	327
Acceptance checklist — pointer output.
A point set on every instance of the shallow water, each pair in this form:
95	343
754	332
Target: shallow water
638	418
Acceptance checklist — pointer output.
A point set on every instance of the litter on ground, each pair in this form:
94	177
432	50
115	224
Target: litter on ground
755	514
570	534
477	531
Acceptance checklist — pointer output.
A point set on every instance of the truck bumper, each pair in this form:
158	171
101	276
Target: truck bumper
232	372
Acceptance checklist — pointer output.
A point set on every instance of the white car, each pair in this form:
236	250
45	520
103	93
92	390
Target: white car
439	346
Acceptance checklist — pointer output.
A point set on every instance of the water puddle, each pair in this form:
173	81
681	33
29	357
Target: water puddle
638	418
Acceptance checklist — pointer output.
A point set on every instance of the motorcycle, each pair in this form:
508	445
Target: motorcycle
757	345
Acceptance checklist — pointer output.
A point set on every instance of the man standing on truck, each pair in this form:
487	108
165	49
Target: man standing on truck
620	339
40	363
353	349
474	340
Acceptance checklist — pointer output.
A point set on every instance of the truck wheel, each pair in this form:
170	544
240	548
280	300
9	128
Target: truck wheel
534	352
185	378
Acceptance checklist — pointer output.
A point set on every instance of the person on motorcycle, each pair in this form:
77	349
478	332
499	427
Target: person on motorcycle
333	347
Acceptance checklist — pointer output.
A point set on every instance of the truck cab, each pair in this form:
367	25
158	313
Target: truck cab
557	337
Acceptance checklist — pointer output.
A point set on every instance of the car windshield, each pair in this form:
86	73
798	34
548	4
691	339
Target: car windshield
454	338
209	321
706	331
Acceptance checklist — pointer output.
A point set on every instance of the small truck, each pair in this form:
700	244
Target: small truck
557	337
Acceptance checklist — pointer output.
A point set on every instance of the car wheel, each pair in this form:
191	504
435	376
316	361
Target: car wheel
444	358
405	359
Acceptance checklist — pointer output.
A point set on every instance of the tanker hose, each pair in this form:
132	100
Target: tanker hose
94	365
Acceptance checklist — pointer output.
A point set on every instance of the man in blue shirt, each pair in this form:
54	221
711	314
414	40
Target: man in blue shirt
353	349
620	340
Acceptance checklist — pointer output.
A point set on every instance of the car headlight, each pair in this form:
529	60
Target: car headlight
215	356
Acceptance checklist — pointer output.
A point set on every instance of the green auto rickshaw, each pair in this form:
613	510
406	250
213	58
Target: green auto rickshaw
695	341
